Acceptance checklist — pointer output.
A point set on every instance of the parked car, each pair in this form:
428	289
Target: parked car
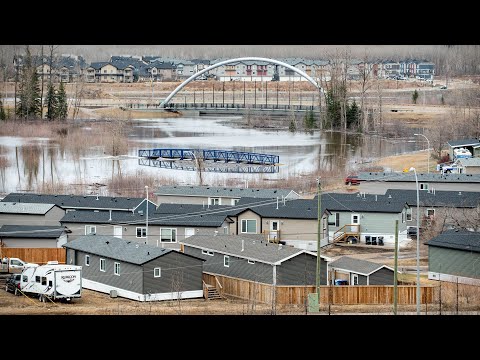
443	87
13	283
341	282
352	180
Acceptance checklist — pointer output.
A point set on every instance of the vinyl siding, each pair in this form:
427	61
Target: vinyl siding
248	215
30	219
29	243
381	277
130	275
301	270
294	229
178	273
239	268
454	262
380	187
362	280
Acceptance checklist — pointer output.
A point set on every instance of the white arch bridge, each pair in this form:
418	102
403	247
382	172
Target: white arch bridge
165	102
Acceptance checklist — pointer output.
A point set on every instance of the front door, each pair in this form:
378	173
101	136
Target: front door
274	233
355	221
117	231
354	280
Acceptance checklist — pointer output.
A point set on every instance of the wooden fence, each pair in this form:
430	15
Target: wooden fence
335	295
35	255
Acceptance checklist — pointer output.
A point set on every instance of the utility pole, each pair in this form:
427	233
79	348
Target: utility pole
146	218
255	97
319	232
223	95
266	94
213	93
244	93
395	279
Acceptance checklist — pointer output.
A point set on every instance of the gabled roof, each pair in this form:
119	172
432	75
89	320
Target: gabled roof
98	65
31	231
76	201
463	142
475	161
126	218
217	191
459	199
7	207
422	177
117	249
358	266
458	240
255	249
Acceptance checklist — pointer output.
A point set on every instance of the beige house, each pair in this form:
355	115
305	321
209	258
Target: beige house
106	72
469	165
14	213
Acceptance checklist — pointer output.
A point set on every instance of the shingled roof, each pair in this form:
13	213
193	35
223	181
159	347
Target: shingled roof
458	240
459	199
224	191
358	266
422	177
8	207
31	231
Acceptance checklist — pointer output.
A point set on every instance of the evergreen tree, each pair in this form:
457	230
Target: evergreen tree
3	116
51	102
292	127
333	110
310	122
29	104
353	115
415	96
62	106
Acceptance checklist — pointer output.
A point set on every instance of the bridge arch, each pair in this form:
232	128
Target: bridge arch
225	62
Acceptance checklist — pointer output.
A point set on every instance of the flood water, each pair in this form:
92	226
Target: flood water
36	162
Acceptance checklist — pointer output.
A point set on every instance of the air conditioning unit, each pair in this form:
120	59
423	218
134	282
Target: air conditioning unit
113	293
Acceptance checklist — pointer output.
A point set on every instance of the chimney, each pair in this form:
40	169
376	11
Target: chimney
375	197
243	244
284	200
277	202
110	212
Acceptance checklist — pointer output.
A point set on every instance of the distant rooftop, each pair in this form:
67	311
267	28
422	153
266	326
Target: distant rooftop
225	192
422	177
7	207
458	240
464	142
358	266
31	231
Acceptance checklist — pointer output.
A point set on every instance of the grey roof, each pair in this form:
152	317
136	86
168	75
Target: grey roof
254	248
474	161
118	249
10	207
354	265
459	199
463	142
222	191
77	201
167	209
457	239
129	218
98	65
31	231
422	177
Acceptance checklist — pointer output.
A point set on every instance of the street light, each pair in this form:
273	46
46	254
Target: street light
428	151
418	241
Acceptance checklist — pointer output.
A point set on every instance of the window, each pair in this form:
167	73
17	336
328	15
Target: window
249	226
141	232
225	230
214	201
116	268
37	279
334	219
102	264
189	232
235	201
157	272
354	279
25	278
207	252
44	280
409	214
90	229
87	260
355	219
226	261
168	235
251	262
423	186
50	283
430	213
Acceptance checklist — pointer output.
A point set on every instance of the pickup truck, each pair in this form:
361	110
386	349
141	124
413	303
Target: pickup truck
12	265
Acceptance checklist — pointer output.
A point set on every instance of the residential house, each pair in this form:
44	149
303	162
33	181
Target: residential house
32	236
472	145
107	72
215	195
158	71
29	213
454	256
253	259
425	70
468	165
135	271
60	68
162	229
360	272
380	182
391	68
84	202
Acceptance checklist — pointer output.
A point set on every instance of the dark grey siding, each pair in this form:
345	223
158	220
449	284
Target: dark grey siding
130	275
362	280
178	273
454	262
382	277
239	268
301	270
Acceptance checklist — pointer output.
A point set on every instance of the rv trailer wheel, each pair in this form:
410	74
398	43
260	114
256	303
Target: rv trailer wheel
41	298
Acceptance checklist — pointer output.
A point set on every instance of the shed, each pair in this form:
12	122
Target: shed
360	272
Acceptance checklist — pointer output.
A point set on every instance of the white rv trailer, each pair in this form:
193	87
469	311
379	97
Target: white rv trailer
53	281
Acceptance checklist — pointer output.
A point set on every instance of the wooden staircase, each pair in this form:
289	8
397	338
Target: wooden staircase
210	292
345	232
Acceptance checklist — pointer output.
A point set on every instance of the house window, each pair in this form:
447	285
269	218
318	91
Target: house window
226	261
409	214
251	262
189	232
102	264
225	230
207	252
116	269
355	219
249	226
87	260
157	272
354	279
334	219
90	229
423	186
430	213
37	279
214	201
168	235
235	201
141	232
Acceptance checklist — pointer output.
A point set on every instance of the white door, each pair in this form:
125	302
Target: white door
117	231
355	220
274	233
354	279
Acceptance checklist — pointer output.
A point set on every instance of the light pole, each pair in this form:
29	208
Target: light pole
418	241
428	151
146	218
